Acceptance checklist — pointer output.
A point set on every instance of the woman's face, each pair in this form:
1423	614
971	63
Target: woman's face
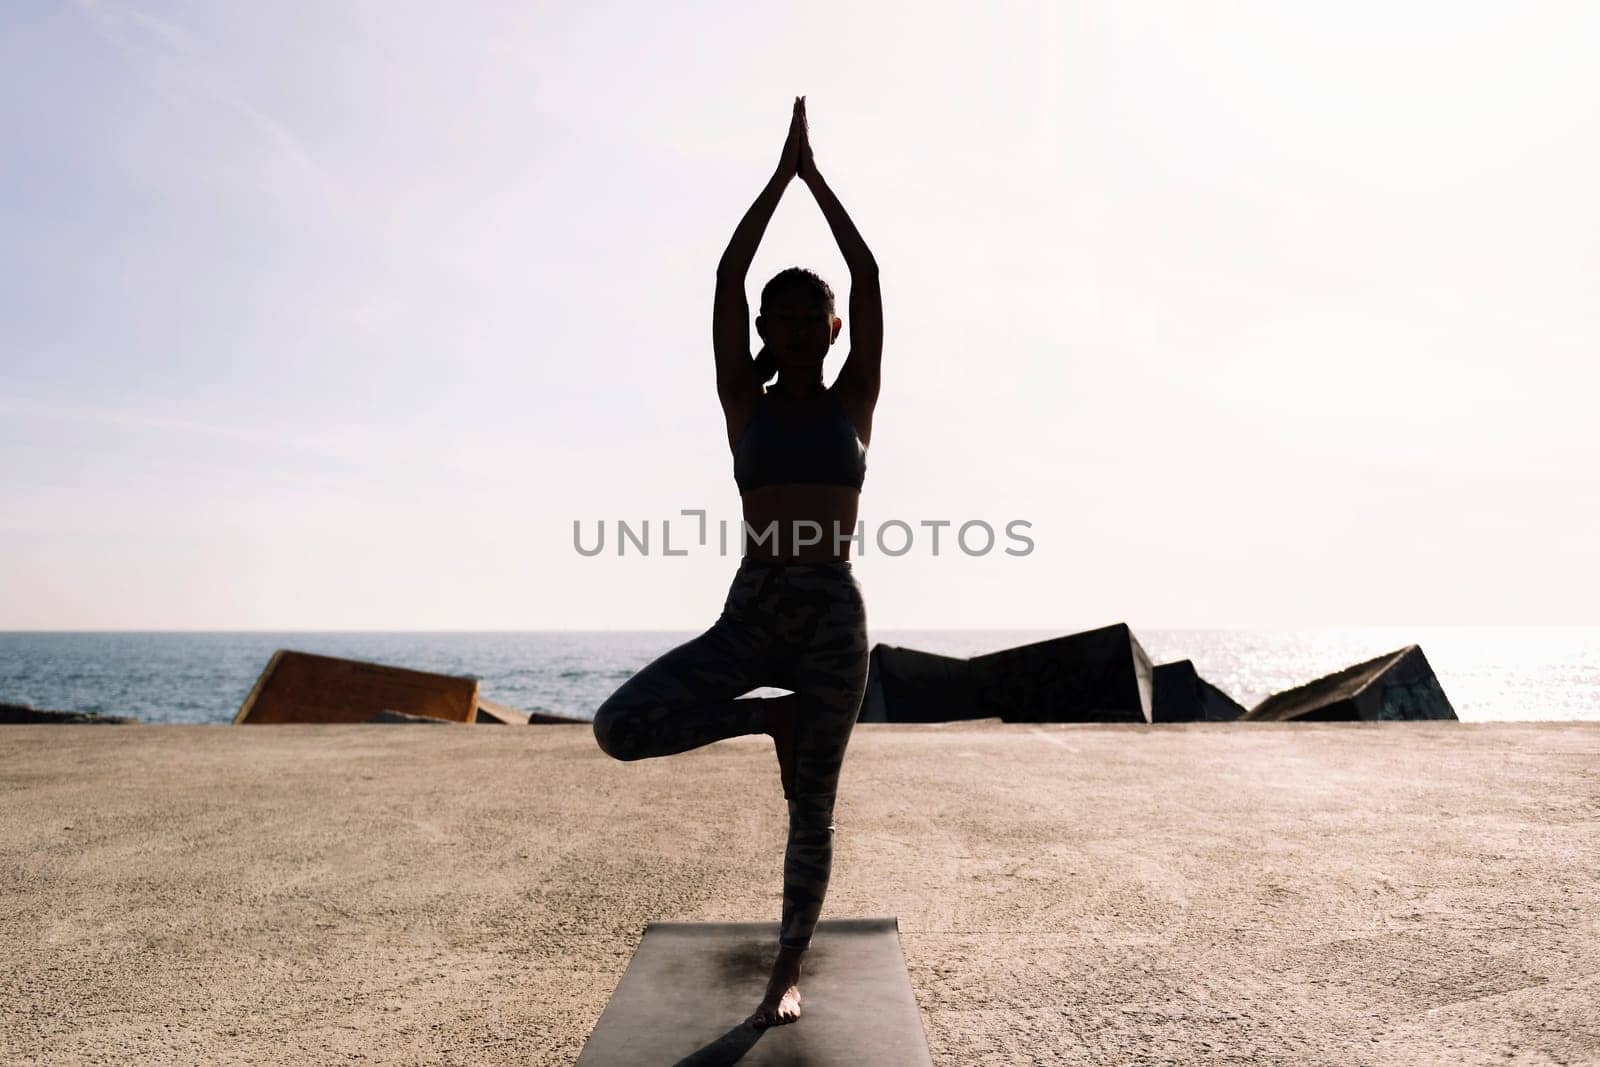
797	328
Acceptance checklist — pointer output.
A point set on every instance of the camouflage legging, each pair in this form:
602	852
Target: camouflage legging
801	627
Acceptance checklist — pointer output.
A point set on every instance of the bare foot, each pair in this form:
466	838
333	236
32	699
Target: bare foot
782	1002
776	1012
781	713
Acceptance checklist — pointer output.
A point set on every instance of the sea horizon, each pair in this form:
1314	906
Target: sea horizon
1515	672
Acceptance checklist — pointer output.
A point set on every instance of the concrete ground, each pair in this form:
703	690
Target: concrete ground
1404	893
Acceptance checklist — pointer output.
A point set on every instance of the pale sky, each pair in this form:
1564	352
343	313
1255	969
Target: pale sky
338	315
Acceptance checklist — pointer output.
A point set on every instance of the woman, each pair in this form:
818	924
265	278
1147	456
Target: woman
793	618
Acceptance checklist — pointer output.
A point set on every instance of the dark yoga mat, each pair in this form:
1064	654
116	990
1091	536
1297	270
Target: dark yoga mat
686	994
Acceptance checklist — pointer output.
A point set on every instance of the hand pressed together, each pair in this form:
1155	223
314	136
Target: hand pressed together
806	167
797	160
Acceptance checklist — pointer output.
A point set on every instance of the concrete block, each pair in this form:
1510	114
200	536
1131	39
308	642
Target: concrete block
1181	695
1095	676
400	718
907	685
497	714
303	687
1395	686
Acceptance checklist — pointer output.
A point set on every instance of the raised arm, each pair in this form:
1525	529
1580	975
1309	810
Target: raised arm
730	316
861	368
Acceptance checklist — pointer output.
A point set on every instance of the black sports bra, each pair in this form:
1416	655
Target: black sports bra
799	442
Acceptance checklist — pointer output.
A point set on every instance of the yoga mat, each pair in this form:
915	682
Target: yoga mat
689	988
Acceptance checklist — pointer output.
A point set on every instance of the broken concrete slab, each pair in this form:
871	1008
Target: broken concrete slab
908	685
1098	675
1396	686
499	714
307	688
1181	695
400	718
550	718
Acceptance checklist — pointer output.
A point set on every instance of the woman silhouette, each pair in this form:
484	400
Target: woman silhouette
794	617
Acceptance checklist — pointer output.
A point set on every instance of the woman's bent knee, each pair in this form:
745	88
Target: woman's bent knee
609	735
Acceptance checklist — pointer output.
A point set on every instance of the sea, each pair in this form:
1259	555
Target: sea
1490	674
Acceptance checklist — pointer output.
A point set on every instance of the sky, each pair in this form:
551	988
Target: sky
342	315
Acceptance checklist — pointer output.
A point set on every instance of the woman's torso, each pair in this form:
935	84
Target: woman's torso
833	507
